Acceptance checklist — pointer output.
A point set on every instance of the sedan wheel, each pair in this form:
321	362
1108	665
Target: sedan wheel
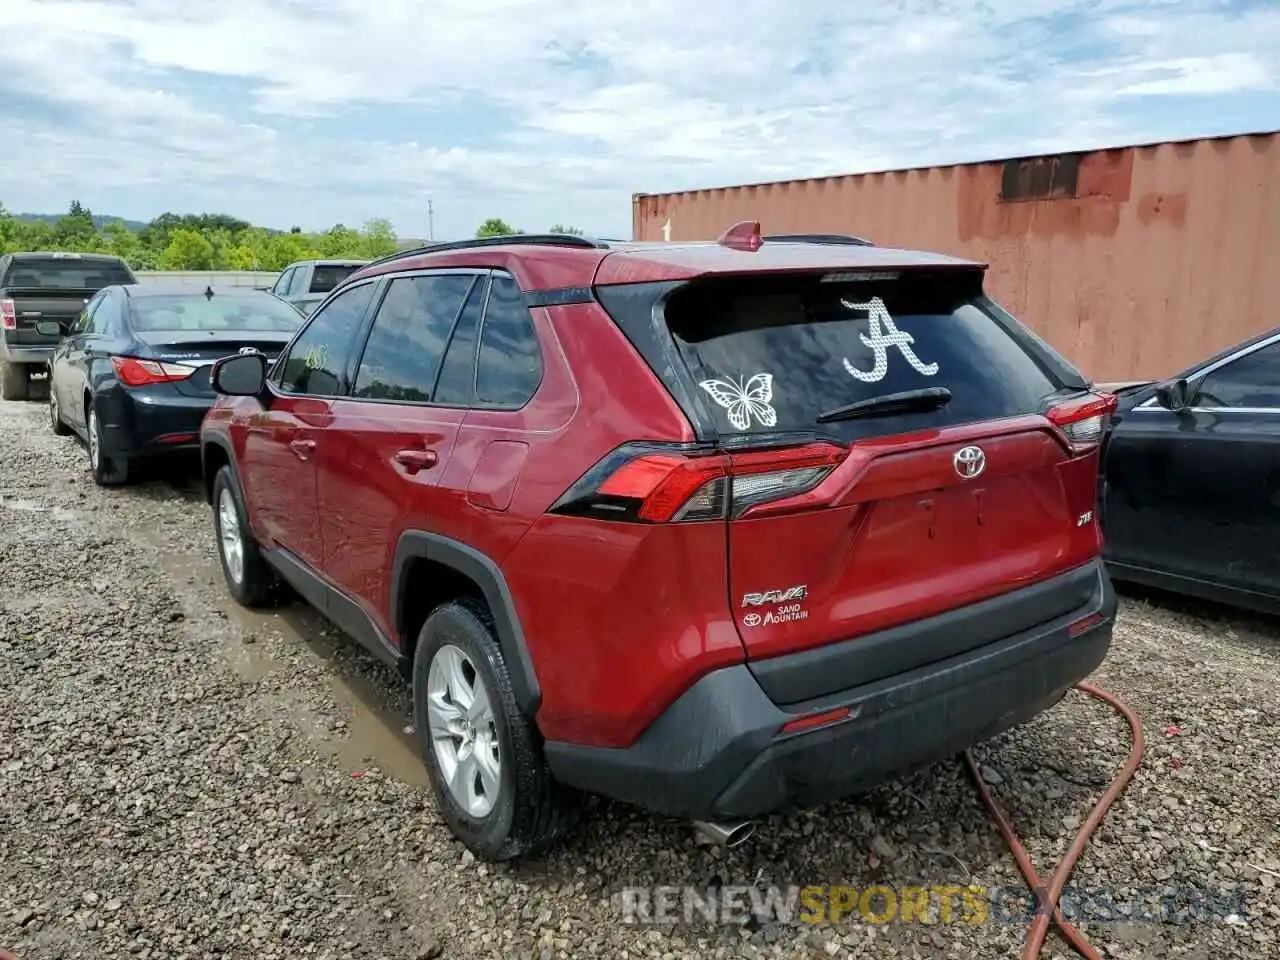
95	441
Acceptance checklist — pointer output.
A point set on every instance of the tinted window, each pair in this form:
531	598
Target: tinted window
329	275
65	274
457	383
408	337
281	286
1251	381
298	282
772	354
509	367
86	315
105	319
222	311
317	360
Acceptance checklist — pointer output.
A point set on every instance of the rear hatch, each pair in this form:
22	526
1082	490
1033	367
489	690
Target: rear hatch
851	513
54	288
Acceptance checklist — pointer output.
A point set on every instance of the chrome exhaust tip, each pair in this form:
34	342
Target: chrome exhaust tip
726	835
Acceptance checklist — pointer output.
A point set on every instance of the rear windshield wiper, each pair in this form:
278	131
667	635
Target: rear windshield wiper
908	401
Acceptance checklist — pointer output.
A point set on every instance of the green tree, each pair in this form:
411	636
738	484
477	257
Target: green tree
379	240
75	230
187	250
570	231
495	227
193	241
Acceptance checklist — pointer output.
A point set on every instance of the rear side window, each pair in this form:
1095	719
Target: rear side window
56	273
772	354
327	276
407	341
509	367
457	384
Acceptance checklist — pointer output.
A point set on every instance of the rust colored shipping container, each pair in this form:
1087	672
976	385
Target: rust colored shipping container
1135	262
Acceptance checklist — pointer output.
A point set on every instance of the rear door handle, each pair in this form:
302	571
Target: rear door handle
303	448
415	460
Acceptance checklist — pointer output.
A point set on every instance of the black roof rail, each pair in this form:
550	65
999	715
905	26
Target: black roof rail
831	238
511	239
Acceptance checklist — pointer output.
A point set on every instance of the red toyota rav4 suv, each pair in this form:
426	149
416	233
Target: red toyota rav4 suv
714	528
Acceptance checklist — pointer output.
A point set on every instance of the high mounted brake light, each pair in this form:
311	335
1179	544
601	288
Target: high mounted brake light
1083	419
133	372
656	483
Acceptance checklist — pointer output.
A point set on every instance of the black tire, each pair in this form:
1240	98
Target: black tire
257	584
15	380
56	423
531	811
107	471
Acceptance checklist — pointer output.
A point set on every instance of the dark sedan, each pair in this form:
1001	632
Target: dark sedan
132	376
1191	479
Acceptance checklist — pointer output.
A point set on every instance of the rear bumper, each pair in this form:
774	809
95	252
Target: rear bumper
34	355
719	751
149	421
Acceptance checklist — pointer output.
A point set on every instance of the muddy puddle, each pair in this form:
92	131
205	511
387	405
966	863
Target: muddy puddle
372	734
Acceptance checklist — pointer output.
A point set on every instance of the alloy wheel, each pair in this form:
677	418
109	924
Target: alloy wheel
464	734
229	537
95	442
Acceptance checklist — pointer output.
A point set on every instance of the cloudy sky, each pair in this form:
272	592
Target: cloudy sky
309	112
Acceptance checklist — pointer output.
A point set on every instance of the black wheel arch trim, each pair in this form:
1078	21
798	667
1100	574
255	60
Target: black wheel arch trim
419	544
223	444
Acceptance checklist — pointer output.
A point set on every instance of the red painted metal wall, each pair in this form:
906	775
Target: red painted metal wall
1163	255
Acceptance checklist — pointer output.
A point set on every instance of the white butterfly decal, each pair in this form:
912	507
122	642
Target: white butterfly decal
745	400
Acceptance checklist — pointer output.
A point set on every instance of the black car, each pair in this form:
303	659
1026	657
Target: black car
1191	479
132	376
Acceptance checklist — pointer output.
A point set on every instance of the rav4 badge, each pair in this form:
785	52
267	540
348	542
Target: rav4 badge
775	596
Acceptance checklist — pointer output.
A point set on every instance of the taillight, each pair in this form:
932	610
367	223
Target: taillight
133	372
655	483
1083	419
8	315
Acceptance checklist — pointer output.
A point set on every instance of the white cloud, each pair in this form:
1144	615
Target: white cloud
274	109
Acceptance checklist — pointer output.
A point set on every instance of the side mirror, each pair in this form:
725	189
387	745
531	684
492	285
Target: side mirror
1173	395
243	375
49	328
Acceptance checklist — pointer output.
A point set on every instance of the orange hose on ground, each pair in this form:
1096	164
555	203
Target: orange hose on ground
1047	907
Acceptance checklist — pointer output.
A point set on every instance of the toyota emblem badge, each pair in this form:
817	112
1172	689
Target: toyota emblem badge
969	462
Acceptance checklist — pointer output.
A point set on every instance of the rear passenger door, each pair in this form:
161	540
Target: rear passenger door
503	425
390	440
67	377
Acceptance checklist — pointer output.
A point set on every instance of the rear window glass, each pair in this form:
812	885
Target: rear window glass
58	274
773	354
219	312
327	276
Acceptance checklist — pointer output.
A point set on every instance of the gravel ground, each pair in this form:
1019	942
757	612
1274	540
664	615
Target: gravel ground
182	779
